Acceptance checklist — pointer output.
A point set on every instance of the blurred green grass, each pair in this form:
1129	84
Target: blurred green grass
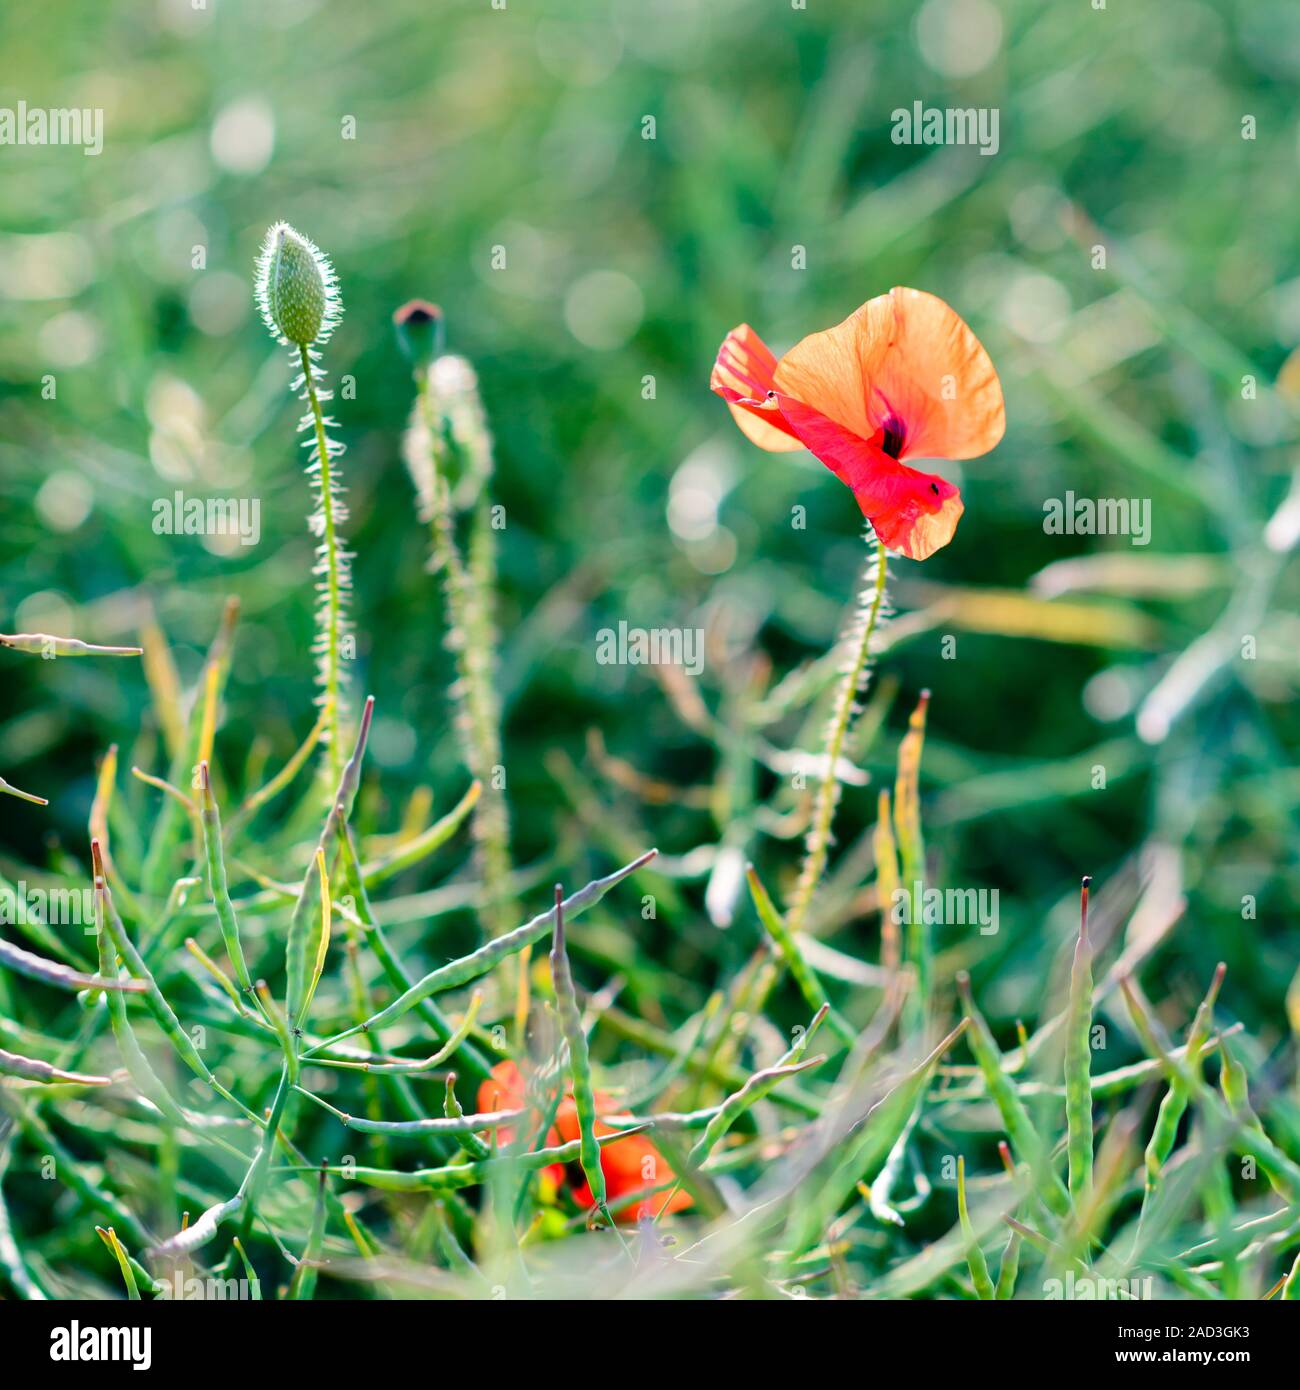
522	129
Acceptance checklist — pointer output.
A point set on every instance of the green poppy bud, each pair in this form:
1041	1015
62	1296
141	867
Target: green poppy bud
296	288
420	332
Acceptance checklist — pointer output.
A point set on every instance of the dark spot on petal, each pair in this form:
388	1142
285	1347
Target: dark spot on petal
894	433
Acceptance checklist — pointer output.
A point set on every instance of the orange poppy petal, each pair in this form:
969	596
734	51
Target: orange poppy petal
629	1165
503	1090
566	1120
912	512
742	376
908	356
632	1165
506	1089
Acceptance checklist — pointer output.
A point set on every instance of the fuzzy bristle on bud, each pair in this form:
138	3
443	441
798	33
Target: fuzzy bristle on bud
297	291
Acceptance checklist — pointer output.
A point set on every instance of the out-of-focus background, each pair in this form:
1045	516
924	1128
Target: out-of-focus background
1128	255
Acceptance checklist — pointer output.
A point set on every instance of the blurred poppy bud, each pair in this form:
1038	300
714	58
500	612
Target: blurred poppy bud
419	327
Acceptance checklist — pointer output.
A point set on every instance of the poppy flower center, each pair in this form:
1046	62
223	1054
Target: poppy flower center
892	443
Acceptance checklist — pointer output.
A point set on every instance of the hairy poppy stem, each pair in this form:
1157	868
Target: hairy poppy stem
858	648
330	632
439	428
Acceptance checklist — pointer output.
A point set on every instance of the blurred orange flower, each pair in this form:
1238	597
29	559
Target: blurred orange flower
902	377
630	1165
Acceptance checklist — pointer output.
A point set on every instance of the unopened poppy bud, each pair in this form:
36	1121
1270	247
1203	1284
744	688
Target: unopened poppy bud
420	332
296	288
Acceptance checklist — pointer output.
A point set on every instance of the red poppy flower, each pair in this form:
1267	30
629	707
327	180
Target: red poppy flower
630	1165
902	377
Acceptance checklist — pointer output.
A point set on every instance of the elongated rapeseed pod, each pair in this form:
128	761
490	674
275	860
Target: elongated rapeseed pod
979	1267
1025	1139
584	1094
1078	1062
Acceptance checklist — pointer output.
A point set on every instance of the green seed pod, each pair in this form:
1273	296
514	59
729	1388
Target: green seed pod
451	1108
1009	1269
487	957
296	288
584	1094
1078	1062
979	1266
217	880
1026	1142
1233	1082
